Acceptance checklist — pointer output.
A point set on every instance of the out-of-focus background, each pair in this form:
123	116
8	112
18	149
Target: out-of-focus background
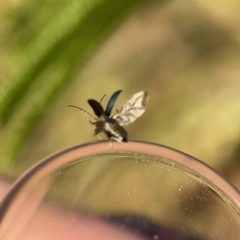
186	54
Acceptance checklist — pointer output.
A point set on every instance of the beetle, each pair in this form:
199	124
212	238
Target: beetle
112	126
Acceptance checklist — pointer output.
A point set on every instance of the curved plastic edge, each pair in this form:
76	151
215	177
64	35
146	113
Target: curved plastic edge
82	150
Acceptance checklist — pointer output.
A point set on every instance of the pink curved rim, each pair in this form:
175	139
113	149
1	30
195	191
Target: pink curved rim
189	163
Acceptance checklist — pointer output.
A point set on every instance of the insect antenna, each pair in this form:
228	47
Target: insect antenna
103	97
83	111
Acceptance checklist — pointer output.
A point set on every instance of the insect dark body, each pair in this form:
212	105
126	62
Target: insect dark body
105	123
112	126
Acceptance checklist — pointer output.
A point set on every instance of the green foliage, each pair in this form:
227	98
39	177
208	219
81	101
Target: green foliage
49	42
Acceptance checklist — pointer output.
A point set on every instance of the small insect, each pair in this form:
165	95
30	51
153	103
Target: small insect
112	126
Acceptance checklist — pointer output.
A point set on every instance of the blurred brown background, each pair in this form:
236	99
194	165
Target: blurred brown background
186	54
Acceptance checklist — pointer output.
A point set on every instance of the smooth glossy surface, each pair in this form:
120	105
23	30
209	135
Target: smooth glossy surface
128	191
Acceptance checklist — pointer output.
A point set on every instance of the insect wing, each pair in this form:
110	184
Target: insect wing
133	109
111	103
97	107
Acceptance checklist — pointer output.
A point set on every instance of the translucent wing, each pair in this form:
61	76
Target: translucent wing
133	109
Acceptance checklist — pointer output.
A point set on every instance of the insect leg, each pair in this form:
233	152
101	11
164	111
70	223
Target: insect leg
99	137
116	113
93	123
110	143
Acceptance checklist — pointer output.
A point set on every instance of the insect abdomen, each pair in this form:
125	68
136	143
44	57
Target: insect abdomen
115	131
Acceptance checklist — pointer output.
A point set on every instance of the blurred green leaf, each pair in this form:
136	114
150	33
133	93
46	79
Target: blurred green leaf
46	62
